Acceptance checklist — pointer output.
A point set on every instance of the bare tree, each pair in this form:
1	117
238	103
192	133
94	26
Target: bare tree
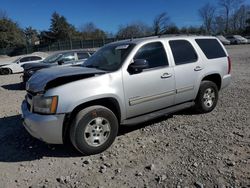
219	25
133	30
229	6
31	35
207	14
238	19
91	31
160	23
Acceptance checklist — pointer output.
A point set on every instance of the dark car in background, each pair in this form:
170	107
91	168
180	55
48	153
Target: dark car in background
66	58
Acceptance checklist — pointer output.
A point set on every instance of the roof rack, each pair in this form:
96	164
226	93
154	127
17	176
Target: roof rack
176	35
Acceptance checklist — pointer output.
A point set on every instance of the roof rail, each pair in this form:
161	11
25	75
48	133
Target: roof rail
176	35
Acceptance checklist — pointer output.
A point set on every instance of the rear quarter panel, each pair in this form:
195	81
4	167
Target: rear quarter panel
213	66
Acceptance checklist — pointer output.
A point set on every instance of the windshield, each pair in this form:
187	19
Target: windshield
52	58
109	58
16	60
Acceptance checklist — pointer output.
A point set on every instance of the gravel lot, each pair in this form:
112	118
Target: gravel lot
184	150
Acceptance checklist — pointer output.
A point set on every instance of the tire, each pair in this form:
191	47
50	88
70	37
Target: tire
93	130
5	71
207	97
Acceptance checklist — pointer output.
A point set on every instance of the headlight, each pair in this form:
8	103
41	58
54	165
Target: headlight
45	105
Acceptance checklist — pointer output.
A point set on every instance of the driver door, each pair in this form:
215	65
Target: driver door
153	88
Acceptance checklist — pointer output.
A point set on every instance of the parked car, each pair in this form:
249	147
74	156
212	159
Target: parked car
248	39
16	65
124	83
65	58
237	39
223	39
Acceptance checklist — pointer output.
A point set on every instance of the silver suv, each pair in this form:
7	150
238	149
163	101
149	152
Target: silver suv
124	83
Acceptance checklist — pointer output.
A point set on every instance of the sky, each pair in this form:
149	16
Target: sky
106	14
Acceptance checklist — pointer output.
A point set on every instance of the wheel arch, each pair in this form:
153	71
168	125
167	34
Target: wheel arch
6	68
214	77
108	102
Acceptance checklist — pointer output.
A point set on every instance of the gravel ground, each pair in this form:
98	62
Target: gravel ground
183	150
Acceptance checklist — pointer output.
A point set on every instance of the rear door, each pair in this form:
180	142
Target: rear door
188	67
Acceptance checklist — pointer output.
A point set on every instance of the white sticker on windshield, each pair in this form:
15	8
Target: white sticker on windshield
122	47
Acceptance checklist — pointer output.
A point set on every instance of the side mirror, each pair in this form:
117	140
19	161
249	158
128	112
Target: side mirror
60	62
138	65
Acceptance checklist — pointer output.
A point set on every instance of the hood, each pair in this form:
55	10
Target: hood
35	66
1	65
56	76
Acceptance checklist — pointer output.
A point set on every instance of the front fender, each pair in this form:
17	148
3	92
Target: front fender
82	91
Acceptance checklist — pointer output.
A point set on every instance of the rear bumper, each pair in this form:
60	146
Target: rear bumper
47	128
226	80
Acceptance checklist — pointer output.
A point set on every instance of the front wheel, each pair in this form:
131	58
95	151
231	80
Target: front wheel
93	130
207	97
5	71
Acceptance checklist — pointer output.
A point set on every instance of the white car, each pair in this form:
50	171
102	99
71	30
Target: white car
248	39
237	39
15	66
223	40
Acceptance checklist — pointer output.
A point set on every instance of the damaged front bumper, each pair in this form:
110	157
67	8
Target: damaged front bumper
47	128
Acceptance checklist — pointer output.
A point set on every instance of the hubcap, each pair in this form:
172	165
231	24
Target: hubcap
97	131
209	97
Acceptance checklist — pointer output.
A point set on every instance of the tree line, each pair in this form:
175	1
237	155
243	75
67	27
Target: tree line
228	17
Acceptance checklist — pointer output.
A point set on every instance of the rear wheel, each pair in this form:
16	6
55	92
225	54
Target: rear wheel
93	130
207	97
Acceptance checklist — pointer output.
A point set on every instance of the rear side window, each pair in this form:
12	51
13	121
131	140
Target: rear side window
82	55
183	52
68	57
25	59
154	53
211	48
35	58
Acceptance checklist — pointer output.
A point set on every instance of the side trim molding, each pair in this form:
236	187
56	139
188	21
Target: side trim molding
184	89
139	100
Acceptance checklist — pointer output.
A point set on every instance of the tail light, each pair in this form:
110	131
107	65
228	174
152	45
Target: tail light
229	65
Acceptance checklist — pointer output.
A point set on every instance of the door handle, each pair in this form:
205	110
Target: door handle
166	75
198	68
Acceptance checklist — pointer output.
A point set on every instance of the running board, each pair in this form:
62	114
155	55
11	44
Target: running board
156	114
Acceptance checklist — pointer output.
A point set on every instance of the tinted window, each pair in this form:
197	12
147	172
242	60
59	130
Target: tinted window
82	55
68	57
25	59
154	53
183	52
35	58
211	48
